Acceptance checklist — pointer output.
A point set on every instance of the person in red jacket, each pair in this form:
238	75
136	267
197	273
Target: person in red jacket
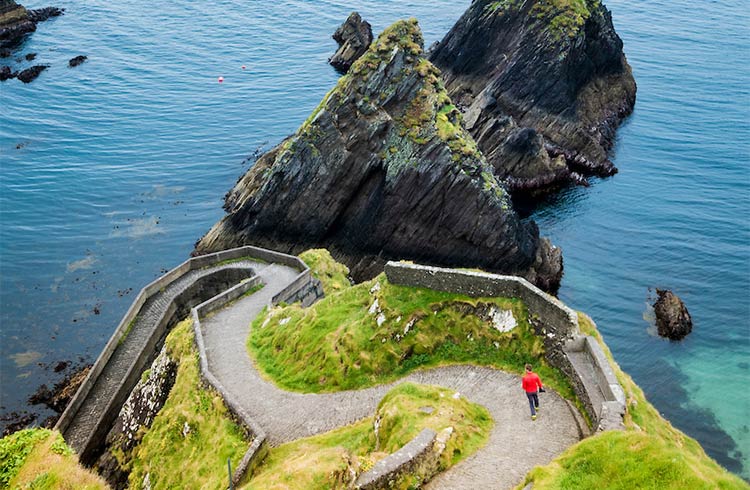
532	385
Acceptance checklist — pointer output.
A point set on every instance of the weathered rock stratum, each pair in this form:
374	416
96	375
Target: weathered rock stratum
383	168
17	21
543	85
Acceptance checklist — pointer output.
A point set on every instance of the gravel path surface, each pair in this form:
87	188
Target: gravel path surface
516	443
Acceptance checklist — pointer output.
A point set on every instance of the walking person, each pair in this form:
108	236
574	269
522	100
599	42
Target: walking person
532	385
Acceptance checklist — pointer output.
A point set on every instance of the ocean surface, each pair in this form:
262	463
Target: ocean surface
109	172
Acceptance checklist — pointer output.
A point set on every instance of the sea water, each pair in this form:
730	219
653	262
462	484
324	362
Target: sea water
111	170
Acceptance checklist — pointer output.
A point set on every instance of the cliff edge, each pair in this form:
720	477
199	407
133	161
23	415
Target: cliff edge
543	85
383	168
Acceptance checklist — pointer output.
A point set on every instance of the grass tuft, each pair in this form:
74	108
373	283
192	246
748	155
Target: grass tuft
333	275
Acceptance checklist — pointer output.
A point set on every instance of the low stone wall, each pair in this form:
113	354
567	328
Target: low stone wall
594	382
204	288
404	462
303	288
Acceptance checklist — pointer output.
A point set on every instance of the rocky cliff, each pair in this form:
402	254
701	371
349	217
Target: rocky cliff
383	168
543	85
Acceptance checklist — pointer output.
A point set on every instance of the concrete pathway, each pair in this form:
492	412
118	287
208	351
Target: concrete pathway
516	443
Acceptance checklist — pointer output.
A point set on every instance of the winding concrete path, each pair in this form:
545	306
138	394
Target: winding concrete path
516	443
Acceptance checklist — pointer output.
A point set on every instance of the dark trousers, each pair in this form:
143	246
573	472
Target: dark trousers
533	401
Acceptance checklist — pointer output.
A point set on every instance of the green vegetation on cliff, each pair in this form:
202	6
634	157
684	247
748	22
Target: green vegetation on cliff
330	460
40	459
376	332
193	435
333	275
651	453
563	18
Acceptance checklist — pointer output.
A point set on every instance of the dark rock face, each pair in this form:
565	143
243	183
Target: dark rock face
354	37
135	417
29	74
555	68
384	169
16	21
77	61
672	318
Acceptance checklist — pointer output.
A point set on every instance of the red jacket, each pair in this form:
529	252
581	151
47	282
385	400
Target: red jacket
531	382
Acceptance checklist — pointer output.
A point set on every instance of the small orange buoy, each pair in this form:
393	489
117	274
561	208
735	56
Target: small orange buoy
243	67
221	79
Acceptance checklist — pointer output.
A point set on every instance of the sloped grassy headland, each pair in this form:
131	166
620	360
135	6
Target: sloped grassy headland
383	168
40	459
350	333
543	84
650	453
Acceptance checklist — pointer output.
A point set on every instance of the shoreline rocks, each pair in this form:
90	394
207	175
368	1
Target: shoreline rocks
384	169
16	21
354	36
672	318
29	74
541	66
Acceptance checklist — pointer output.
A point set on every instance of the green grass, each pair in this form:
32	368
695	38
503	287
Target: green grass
651	453
199	459
333	275
337	344
330	460
40	459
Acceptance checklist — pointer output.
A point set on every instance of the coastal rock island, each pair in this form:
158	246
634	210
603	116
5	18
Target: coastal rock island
543	86
382	169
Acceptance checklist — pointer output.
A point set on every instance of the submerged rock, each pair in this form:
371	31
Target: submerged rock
551	73
29	74
354	37
672	318
383	169
60	395
77	61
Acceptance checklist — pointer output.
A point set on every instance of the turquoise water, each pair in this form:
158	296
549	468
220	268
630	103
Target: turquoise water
125	159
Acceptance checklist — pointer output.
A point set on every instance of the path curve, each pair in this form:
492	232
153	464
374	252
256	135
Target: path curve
516	443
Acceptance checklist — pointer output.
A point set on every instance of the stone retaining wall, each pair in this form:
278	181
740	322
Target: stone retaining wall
208	286
594	384
303	288
404	462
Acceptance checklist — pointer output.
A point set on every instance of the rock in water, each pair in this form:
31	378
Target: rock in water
672	318
77	61
354	37
29	74
383	169
6	73
549	66
16	21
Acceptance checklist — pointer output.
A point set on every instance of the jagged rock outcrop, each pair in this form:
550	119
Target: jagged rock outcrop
383	169
16	21
544	84
135	418
672	318
354	37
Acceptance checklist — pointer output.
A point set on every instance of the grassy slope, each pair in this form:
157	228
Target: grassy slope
325	461
333	275
198	460
650	454
40	459
337	343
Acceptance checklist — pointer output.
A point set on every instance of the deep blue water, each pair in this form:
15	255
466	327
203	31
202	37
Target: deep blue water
124	161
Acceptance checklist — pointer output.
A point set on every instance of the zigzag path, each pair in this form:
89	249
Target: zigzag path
516	443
